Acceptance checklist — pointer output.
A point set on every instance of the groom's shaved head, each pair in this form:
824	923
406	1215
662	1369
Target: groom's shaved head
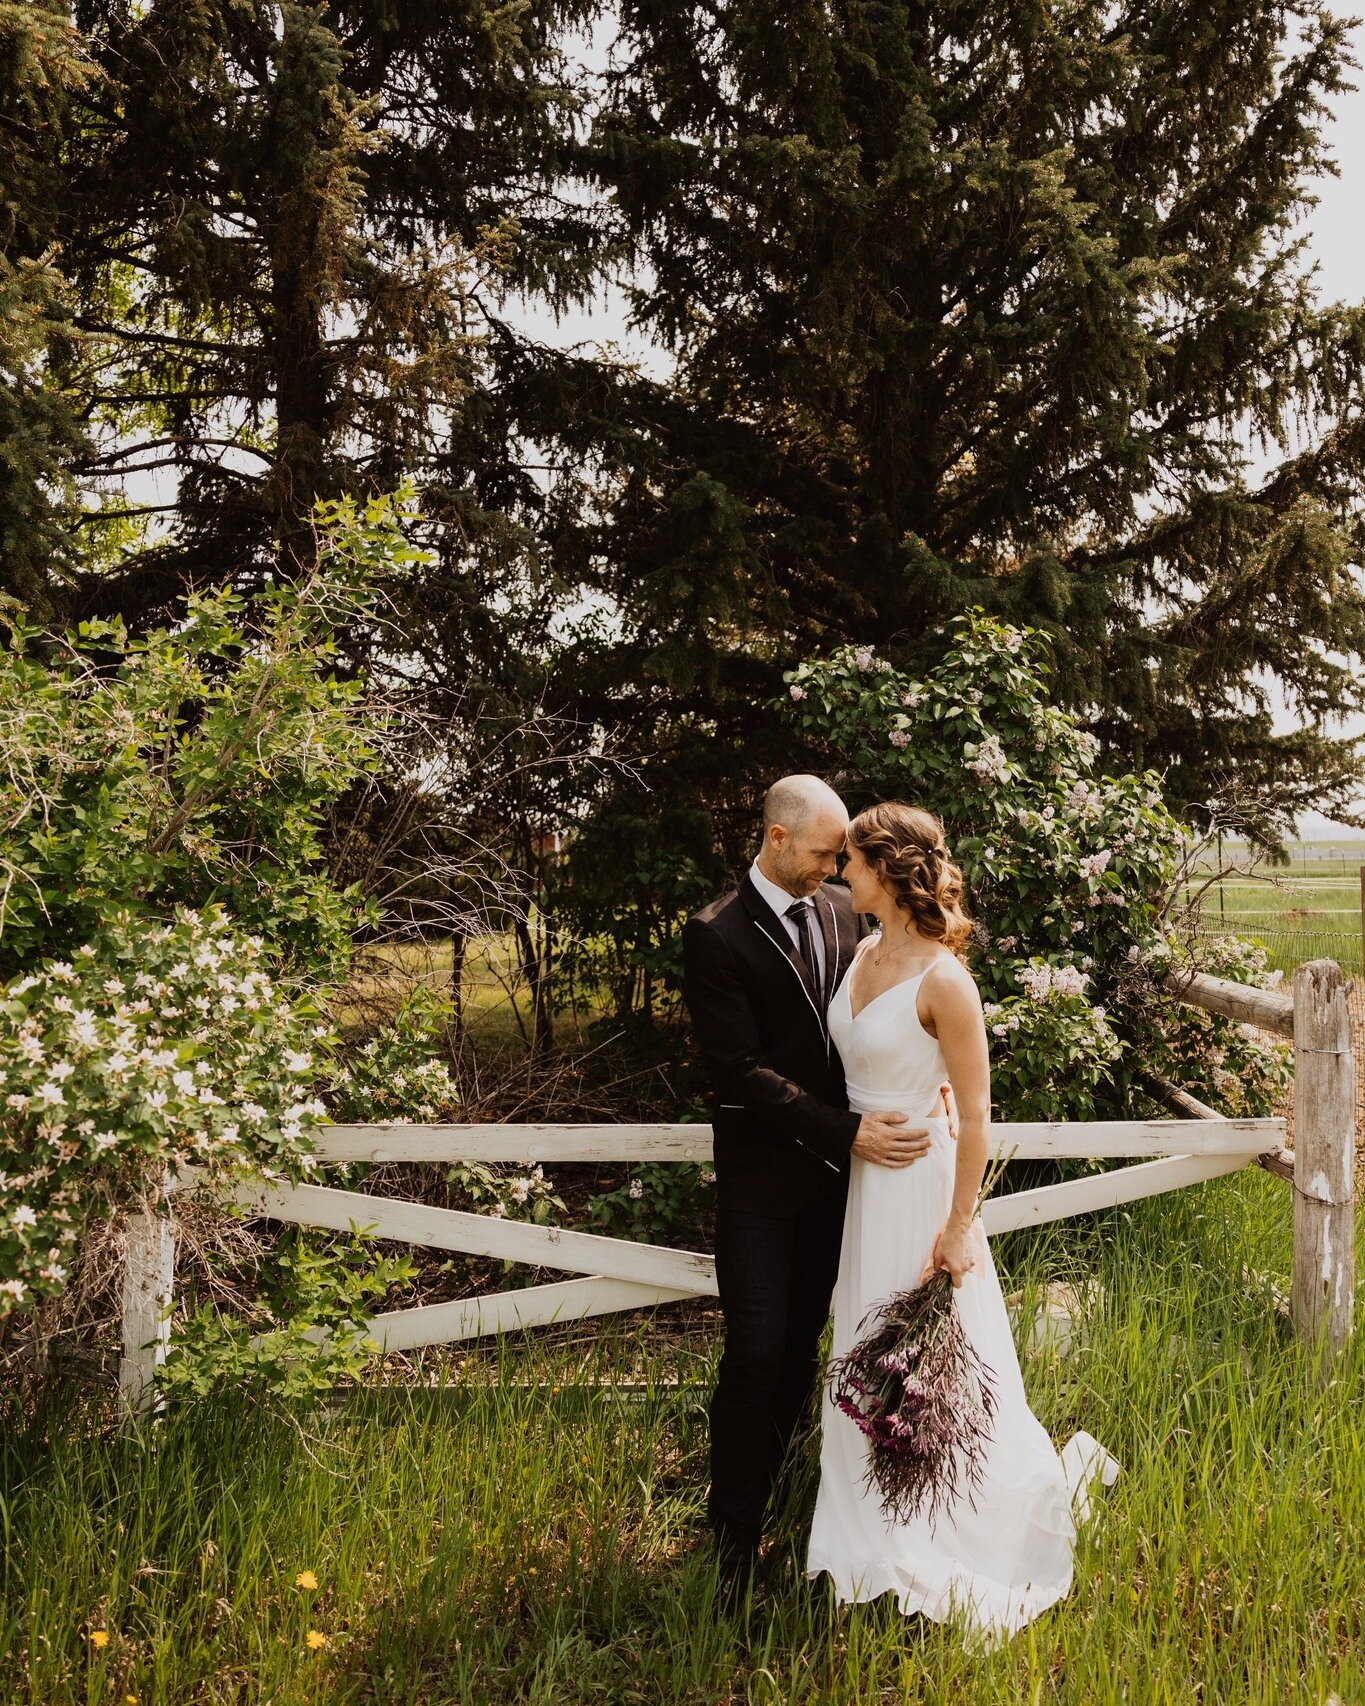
804	825
795	800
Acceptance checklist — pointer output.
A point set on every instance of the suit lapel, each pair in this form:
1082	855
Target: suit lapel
770	926
829	930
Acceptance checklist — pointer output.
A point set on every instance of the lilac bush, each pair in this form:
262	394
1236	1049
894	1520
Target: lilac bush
1070	871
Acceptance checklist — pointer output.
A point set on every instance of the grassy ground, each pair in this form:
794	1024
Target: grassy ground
523	1534
495	1006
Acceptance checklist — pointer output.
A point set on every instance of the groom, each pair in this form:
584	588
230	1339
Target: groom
759	968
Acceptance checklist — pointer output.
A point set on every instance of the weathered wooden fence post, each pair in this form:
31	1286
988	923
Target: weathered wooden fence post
148	1278
1323	1294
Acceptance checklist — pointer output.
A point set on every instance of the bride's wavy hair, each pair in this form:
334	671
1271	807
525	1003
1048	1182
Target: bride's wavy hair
905	846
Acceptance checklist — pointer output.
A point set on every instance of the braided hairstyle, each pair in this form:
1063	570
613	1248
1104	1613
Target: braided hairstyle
905	846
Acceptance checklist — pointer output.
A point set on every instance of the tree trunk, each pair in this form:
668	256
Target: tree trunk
535	968
315	192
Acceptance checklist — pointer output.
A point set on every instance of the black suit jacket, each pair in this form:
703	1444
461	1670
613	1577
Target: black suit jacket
780	1114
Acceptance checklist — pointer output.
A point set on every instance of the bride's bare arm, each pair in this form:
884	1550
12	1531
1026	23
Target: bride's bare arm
953	1005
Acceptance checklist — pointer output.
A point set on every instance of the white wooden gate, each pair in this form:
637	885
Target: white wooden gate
614	1274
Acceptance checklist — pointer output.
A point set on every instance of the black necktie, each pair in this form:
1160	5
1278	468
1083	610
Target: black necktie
799	913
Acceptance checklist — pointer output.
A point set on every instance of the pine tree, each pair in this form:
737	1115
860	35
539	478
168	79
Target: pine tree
294	229
41	67
282	224
983	306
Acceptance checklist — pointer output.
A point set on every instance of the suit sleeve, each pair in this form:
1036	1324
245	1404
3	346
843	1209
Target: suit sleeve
723	1023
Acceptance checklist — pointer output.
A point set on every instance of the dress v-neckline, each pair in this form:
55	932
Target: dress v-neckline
899	984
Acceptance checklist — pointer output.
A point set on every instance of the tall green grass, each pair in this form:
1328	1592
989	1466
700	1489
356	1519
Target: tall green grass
520	1534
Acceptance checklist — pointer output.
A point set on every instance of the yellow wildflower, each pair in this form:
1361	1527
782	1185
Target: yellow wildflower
315	1639
99	1637
305	1579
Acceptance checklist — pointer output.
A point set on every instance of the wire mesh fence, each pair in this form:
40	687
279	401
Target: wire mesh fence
1311	909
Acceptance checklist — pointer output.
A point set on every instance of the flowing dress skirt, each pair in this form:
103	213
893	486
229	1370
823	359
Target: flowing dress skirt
990	1568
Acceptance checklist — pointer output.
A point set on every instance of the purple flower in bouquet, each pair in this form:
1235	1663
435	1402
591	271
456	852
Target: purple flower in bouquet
923	1398
921	1395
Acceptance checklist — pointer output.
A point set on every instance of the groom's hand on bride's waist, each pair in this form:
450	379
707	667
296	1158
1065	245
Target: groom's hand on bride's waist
889	1140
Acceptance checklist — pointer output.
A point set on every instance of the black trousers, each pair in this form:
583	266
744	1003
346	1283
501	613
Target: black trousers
775	1275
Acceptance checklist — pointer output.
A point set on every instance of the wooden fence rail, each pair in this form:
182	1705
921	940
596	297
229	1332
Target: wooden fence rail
616	1274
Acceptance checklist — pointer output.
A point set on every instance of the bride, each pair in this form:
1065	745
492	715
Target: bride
906	1017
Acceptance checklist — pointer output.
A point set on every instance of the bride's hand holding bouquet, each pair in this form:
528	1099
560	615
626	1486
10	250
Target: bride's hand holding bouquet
956	1249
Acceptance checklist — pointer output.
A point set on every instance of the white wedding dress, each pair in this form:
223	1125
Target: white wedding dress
993	1567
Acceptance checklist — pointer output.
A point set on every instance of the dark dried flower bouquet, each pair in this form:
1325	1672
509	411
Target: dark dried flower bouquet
921	1395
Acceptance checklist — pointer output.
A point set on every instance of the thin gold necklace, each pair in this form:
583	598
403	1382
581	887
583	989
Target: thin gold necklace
891	953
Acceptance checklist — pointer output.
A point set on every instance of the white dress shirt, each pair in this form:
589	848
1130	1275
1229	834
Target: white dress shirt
779	900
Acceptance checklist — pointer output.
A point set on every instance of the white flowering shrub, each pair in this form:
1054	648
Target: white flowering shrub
1234	1067
154	1046
1052	1020
400	1073
507	1191
660	1203
1068	870
143	776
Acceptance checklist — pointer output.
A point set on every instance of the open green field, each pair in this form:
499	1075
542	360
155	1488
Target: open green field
524	1534
494	998
1307	910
